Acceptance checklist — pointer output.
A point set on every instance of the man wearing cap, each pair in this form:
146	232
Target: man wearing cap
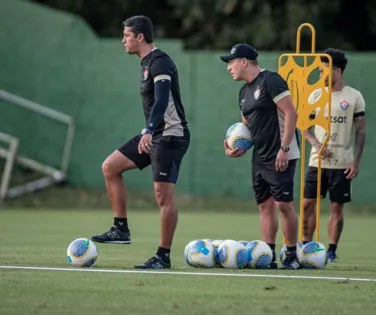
267	109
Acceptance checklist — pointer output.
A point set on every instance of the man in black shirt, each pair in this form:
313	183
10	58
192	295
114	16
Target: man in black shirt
267	109
162	143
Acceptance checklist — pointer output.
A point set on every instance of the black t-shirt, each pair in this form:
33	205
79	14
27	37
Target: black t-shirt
155	64
257	101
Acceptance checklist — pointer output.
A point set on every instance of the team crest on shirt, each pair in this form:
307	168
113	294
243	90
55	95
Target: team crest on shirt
256	94
344	105
146	74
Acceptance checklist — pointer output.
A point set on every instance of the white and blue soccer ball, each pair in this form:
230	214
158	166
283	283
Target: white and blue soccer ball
313	255
200	253
282	254
82	252
232	254
187	256
216	244
260	255
245	243
239	136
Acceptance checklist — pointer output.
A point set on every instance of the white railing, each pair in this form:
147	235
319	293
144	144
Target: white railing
53	175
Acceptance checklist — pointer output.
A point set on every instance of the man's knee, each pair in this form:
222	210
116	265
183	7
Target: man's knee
164	193
107	169
267	205
336	209
115	164
285	207
309	206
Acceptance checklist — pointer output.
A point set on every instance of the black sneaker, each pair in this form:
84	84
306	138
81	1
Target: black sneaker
332	257
291	264
273	265
113	236
154	262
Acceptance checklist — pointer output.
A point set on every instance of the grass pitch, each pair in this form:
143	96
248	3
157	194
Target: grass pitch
40	238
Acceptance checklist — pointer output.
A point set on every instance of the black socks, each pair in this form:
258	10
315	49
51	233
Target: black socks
121	224
164	253
272	247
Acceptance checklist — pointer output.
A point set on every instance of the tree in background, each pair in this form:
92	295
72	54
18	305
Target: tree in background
218	24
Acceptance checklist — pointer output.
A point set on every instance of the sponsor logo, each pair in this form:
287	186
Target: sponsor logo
338	119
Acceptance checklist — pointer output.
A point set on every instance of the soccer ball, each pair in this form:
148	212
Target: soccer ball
207	239
187	256
232	254
282	254
313	256
239	136
216	244
82	253
260	255
245	243
200	253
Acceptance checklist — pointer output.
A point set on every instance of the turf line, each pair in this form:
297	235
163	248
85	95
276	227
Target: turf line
212	274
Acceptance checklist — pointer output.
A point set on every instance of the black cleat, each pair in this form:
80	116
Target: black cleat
113	236
291	264
154	262
273	265
332	257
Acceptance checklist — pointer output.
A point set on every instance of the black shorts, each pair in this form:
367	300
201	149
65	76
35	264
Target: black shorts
165	156
268	182
332	180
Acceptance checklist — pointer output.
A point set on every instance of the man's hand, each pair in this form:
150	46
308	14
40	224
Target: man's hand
145	143
282	161
326	154
233	152
352	170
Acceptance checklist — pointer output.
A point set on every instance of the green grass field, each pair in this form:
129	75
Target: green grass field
40	238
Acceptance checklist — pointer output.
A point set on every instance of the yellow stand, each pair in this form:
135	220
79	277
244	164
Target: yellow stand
297	79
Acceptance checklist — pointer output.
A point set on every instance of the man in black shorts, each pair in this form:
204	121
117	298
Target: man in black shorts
339	165
267	109
162	143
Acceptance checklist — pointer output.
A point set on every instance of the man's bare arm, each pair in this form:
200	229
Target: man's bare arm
360	137
286	105
311	138
316	143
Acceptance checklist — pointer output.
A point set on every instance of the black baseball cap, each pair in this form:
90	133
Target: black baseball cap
241	51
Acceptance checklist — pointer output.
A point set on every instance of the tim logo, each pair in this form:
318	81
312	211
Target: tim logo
344	105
